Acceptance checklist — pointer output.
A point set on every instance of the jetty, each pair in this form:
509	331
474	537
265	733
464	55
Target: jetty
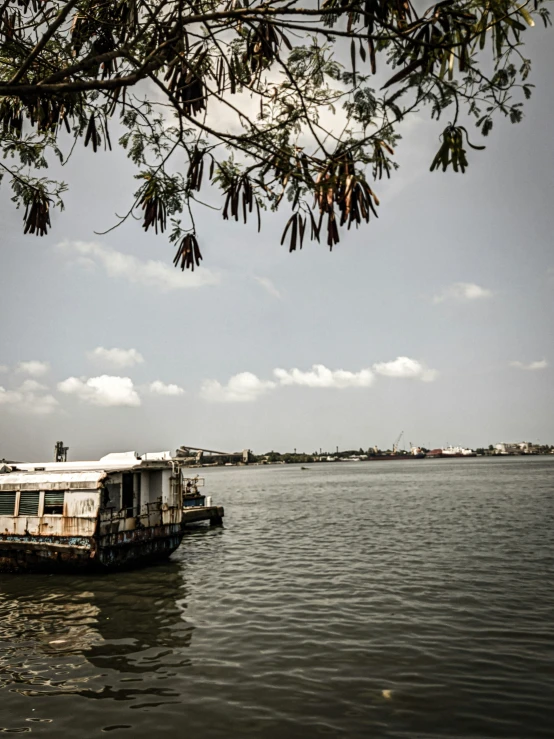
198	507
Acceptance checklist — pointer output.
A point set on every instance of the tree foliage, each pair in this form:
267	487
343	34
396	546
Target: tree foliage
258	103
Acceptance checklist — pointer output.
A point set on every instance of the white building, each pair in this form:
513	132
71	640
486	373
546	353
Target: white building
521	447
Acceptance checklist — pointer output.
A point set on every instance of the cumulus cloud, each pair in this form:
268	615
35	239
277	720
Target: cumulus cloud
242	388
33	368
541	364
117	358
247	387
30	397
149	273
463	292
321	376
105	390
160	388
268	286
404	367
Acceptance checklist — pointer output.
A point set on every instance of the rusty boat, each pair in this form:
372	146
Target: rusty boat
122	510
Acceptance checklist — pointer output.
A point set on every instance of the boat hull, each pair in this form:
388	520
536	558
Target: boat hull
76	553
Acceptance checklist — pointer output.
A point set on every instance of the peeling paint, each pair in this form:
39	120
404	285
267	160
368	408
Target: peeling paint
90	534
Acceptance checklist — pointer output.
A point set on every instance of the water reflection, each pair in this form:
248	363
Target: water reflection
57	632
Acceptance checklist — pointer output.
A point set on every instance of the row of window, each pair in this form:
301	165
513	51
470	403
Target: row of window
28	503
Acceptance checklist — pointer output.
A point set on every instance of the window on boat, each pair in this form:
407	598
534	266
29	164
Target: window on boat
53	502
112	495
28	503
7	503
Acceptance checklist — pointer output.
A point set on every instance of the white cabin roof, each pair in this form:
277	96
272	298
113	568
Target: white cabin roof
51	480
113	462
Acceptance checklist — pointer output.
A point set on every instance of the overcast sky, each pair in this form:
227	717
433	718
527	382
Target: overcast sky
435	320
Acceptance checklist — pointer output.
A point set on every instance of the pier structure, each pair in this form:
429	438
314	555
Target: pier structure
195	455
197	506
213	513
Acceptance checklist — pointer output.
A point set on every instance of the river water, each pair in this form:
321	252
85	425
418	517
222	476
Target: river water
409	599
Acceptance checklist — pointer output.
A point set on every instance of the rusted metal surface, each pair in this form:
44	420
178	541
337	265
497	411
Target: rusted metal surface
44	553
131	548
47	526
122	549
106	539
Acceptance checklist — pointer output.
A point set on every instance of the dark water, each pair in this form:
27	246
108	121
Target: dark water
359	600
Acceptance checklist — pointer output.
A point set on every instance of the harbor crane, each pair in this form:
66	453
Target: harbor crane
397	442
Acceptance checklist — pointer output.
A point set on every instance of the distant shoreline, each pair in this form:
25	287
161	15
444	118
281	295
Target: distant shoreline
374	461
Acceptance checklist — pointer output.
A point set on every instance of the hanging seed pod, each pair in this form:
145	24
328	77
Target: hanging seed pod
297	224
196	171
11	116
37	214
314	227
262	45
193	95
357	203
232	201
152	203
92	134
188	253
332	231
380	162
452	149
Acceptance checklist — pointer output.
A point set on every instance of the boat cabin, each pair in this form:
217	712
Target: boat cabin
120	510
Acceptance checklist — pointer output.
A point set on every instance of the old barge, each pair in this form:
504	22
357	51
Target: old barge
122	510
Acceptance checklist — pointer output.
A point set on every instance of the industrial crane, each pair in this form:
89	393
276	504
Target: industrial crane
397	442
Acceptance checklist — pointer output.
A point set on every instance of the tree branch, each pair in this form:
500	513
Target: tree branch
51	30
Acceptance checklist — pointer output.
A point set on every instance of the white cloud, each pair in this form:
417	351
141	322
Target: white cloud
160	388
268	286
150	273
3	367
321	376
31	386
117	358
29	398
242	388
463	291
247	387
33	368
9	396
105	390
404	367
542	364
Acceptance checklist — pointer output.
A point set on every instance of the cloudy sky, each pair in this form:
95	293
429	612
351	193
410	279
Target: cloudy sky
435	320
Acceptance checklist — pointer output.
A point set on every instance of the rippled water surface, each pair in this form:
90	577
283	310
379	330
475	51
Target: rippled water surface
382	599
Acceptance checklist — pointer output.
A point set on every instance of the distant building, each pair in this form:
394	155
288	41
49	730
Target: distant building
521	447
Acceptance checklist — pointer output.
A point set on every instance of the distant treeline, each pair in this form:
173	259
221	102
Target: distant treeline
274	457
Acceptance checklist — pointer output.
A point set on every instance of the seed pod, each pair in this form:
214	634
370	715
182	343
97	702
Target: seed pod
37	214
188	253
